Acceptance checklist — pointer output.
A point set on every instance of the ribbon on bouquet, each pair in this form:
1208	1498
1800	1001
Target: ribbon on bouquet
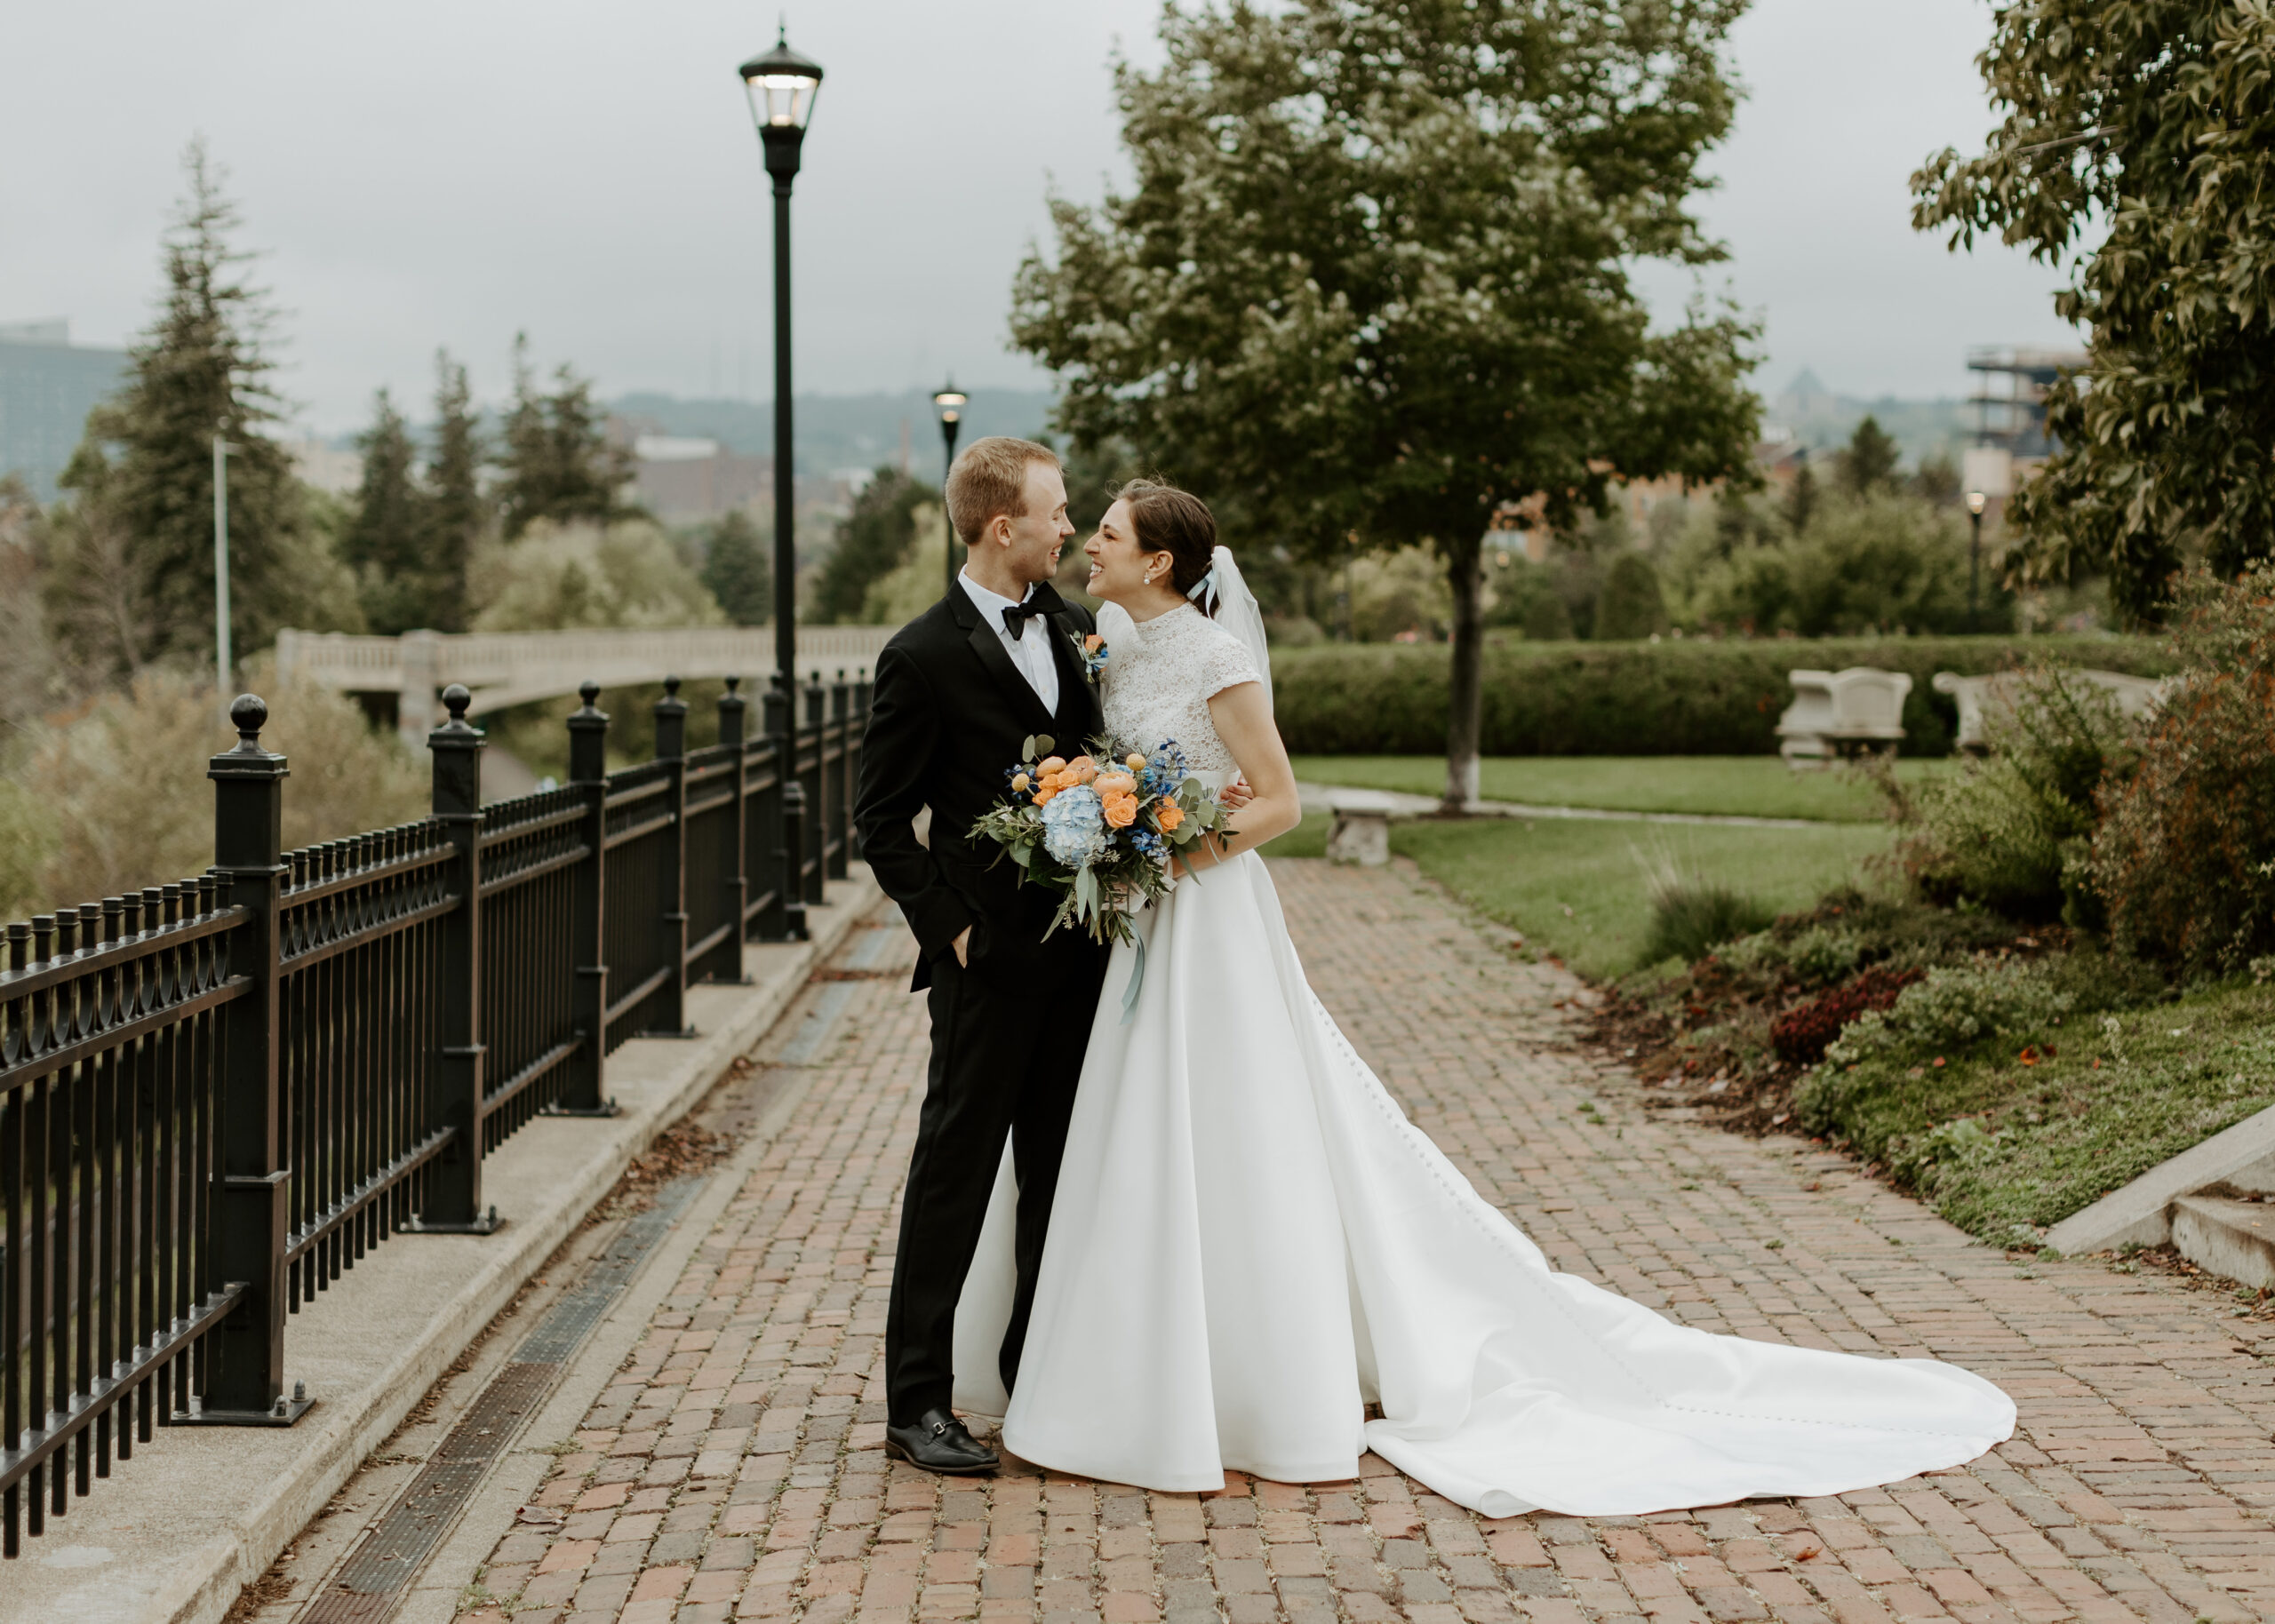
1136	978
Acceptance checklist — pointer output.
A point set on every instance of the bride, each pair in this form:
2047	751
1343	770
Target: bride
1251	1244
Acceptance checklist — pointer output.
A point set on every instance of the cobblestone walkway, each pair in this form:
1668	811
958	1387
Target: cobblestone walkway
736	1470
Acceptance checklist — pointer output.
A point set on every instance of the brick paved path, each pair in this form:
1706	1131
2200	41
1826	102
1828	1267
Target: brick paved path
735	1469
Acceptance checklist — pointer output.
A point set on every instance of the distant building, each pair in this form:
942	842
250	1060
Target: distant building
48	385
2010	402
681	479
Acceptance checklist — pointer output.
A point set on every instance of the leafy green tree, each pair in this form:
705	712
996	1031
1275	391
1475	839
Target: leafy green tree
738	570
1867	463
556	459
1631	607
2148	124
457	516
1373	278
147	461
385	543
872	541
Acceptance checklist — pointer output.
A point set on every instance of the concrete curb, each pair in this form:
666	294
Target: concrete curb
177	1533
2141	1212
1401	807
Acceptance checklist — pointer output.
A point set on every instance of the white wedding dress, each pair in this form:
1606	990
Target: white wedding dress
1249	1243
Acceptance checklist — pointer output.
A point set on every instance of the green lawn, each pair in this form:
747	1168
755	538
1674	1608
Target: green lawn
1527	874
1757	786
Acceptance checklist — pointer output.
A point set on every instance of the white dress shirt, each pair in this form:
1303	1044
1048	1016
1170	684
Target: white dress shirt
1031	651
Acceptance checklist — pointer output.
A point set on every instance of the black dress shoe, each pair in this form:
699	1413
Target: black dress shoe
938	1443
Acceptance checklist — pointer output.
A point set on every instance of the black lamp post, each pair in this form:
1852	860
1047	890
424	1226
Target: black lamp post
1975	503
781	85
949	403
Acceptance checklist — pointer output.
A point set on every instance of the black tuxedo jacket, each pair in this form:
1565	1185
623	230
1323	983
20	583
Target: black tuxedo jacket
949	713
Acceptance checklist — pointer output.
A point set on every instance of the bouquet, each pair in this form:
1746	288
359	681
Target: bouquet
1103	828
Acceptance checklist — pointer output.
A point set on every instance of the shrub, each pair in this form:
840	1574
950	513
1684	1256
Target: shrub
1694	696
2184	857
1864	562
1801	1034
582	575
117	798
2010	831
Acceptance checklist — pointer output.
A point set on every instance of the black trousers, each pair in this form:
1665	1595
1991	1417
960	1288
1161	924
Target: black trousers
1004	1065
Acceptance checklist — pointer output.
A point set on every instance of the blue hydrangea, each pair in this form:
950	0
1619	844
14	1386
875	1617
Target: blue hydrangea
1073	826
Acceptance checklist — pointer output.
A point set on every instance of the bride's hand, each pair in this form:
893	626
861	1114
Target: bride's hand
1235	795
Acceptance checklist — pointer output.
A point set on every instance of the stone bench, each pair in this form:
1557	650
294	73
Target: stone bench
1838	712
1360	832
1981	699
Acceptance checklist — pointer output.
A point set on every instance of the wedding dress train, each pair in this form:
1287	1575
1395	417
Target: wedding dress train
1250	1243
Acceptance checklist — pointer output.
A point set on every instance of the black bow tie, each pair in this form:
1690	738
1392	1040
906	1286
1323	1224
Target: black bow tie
1041	601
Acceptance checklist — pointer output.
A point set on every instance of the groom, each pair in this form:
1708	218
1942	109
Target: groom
959	690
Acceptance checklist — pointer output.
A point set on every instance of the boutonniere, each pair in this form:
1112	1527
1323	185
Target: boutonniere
1095	654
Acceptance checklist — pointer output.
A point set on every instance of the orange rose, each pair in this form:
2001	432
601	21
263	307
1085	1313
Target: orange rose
1082	769
1092	643
1168	815
1043	796
1121	810
1050	764
1117	783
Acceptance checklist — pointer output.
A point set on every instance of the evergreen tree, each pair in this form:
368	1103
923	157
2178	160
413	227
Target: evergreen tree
457	516
1800	500
872	540
1868	462
385	541
738	570
557	460
1631	606
201	370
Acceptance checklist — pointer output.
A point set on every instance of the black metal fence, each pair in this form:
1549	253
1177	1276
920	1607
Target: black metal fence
217	1094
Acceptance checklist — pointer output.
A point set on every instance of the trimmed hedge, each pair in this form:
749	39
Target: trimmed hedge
1693	697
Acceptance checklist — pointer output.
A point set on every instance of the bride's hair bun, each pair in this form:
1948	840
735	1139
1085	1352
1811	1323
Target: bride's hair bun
1176	522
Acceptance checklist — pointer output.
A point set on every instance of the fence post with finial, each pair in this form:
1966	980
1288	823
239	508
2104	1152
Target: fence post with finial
725	962
790	849
244	1371
585	1072
816	779
668	1009
453	1198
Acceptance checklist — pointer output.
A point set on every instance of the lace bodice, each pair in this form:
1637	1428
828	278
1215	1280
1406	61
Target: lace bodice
1160	677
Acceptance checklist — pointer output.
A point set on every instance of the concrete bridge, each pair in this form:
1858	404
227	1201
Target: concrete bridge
509	668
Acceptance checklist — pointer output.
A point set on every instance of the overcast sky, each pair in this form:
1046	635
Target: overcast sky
421	174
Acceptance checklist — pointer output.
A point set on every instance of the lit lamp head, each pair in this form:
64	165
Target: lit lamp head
949	403
1976	502
781	85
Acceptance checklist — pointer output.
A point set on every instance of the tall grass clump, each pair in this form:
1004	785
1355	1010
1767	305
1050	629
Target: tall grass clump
1692	915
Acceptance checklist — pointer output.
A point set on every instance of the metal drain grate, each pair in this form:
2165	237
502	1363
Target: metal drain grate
371	1584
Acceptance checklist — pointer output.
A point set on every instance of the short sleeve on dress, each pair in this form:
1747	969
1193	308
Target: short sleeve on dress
1224	663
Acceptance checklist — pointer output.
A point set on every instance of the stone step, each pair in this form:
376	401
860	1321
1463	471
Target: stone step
2231	1238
